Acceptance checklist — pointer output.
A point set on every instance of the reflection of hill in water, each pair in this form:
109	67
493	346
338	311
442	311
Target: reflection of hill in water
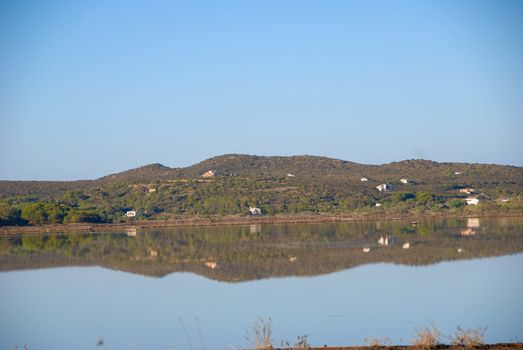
248	253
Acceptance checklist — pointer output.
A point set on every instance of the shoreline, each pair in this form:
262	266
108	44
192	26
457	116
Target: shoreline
240	220
496	346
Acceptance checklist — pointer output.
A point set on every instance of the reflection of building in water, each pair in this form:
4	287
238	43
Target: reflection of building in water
384	240
131	232
255	228
468	232
211	264
473	223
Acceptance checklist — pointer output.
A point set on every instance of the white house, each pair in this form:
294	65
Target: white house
458	172
290	175
130	214
255	211
364	179
472	201
404	181
366	249
210	173
378	204
384	187
406	245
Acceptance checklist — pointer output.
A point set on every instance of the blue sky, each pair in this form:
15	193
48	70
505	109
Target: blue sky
95	87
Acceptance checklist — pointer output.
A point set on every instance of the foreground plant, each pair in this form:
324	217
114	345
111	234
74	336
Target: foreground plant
426	337
262	334
378	342
469	337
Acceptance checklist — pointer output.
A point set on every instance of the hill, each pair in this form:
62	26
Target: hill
230	184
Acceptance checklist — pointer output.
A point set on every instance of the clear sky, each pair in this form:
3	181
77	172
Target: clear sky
89	88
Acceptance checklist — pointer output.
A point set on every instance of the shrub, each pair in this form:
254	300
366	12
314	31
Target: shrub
426	337
262	333
469	337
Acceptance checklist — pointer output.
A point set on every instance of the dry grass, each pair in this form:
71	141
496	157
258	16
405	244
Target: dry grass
426	338
378	342
262	335
468	337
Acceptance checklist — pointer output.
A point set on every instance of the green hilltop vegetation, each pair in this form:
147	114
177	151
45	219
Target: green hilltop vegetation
303	185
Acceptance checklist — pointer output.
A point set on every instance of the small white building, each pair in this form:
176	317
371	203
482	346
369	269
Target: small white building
130	214
406	245
364	179
210	173
472	201
378	204
255	211
290	175
384	187
404	181
366	249
458	172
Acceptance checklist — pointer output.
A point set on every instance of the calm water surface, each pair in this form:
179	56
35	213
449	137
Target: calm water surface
160	289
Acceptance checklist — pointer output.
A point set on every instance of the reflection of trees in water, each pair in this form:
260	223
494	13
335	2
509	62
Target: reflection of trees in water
236	253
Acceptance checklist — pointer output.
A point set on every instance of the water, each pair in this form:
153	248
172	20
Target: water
154	290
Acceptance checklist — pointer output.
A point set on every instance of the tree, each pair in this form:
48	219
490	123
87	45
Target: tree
9	215
75	216
34	213
456	203
424	198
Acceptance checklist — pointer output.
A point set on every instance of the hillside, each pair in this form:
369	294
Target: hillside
277	185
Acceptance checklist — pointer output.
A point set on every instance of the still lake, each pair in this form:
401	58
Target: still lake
196	288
